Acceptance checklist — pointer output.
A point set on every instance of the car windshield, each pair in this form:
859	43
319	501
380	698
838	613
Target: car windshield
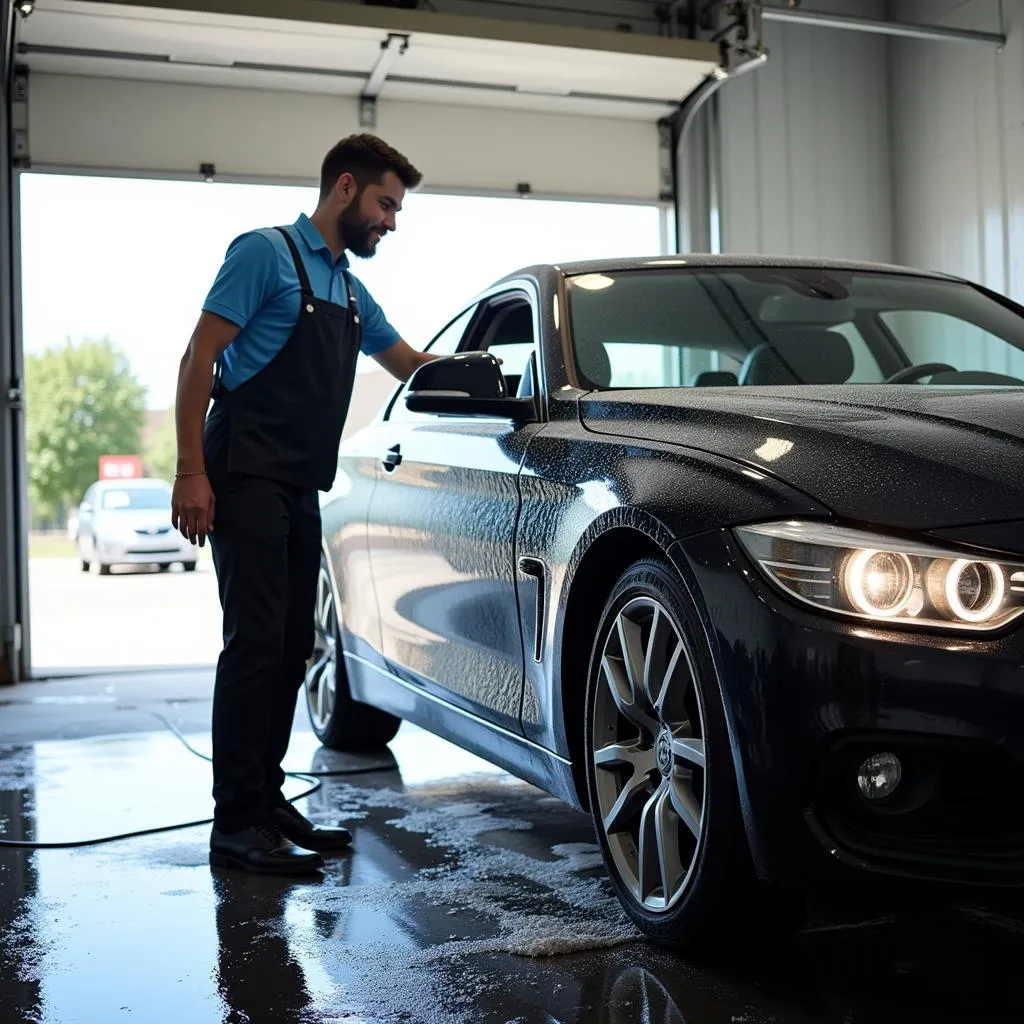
724	327
136	498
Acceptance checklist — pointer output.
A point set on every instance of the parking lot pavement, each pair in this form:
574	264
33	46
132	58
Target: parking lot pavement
133	617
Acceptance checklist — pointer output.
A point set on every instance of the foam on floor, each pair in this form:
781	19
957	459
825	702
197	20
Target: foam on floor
518	905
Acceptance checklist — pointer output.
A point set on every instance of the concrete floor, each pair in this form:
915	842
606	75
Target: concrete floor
468	898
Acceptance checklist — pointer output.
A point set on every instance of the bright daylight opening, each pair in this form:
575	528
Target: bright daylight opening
103	340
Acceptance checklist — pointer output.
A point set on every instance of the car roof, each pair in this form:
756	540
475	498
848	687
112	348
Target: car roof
716	261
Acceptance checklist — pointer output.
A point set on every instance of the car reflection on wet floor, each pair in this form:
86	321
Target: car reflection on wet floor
468	898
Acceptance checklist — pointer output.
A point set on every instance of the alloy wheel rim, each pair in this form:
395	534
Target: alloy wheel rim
649	753
322	667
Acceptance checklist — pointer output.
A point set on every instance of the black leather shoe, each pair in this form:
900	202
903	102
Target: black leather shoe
302	831
261	848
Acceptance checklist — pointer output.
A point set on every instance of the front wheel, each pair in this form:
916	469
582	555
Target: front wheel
659	767
339	722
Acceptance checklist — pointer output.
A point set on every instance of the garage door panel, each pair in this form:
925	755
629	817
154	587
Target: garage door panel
610	109
261	89
93	66
481	60
63	27
79	121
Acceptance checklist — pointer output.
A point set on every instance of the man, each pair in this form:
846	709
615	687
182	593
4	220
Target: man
282	326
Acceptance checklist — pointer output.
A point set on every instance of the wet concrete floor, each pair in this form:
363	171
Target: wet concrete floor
468	898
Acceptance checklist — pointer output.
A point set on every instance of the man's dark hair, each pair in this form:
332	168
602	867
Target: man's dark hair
367	158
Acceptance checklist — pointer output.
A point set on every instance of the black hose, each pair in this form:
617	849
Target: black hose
313	777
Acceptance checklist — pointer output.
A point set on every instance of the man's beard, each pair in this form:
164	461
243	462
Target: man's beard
357	233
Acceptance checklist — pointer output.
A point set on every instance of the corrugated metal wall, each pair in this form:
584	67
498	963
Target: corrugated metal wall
958	118
806	145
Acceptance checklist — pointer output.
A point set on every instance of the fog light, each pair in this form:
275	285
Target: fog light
879	776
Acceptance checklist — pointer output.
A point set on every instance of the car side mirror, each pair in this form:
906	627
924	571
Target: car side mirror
85	507
468	384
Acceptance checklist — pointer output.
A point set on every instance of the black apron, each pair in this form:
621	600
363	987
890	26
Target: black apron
285	422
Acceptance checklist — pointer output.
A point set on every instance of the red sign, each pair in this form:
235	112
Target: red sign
120	467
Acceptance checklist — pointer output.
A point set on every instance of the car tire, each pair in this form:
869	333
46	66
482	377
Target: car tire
338	721
654	764
84	565
165	566
103	568
189	566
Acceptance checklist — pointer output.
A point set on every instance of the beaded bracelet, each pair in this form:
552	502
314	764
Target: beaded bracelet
192	472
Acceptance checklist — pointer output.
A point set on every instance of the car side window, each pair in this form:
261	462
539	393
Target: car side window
444	343
507	331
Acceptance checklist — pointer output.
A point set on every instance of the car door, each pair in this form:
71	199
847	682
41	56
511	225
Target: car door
442	531
344	513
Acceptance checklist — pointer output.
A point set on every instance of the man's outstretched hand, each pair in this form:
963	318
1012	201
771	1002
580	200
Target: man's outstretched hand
192	508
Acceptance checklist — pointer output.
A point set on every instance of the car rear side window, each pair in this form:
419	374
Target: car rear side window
929	337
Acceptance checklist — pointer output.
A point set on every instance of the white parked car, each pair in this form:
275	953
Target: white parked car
128	522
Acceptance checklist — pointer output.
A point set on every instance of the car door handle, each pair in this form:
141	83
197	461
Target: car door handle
392	457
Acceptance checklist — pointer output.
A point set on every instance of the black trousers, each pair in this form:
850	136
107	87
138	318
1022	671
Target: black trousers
266	551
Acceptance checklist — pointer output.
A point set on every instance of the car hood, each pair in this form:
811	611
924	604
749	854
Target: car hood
913	457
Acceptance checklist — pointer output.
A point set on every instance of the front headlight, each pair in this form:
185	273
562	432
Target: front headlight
869	576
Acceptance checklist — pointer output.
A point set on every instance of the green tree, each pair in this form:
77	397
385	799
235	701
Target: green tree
81	402
162	457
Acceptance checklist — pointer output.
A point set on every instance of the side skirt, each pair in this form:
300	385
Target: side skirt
517	755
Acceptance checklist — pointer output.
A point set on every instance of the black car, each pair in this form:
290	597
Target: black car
729	552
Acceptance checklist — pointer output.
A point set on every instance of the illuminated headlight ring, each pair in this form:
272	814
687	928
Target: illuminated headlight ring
869	576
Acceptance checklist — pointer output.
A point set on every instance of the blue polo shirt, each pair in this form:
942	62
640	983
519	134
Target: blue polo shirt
258	289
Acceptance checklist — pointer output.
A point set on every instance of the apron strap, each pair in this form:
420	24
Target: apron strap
300	268
353	307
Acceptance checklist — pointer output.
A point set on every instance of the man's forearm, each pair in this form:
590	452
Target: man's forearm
421	358
401	360
195	375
